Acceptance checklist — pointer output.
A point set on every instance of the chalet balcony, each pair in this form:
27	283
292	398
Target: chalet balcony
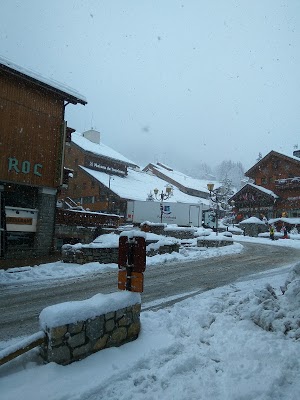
288	183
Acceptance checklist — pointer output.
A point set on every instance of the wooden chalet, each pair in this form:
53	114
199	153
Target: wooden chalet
87	154
33	137
275	192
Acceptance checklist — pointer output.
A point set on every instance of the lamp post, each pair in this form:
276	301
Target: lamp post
214	198
232	207
161	197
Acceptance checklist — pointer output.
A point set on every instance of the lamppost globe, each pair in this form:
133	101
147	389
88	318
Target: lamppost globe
210	187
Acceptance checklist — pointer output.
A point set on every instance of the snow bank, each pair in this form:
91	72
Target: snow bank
275	310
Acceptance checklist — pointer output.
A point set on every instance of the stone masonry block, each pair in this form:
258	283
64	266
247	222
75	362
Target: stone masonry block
58	332
109	315
126	319
95	328
75	328
101	343
134	330
118	336
110	325
83	351
59	355
120	313
76	340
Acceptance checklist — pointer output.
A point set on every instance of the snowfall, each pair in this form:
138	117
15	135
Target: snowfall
240	341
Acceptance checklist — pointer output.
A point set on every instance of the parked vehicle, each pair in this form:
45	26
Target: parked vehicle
182	214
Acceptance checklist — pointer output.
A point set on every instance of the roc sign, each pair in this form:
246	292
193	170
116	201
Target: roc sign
24	167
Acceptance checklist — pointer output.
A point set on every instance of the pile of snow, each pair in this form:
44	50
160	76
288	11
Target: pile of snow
275	310
253	220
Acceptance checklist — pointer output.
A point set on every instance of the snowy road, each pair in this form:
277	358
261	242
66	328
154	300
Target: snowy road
165	284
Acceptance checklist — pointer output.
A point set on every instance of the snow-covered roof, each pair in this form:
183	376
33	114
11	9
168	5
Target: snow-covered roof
99	149
262	189
271	153
291	221
138	184
35	76
183	179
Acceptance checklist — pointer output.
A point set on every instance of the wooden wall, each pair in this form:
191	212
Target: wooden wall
31	133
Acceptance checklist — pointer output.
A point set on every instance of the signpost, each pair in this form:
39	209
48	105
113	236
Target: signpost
132	261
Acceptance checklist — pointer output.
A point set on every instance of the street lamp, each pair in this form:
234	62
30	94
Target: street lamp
214	198
232	207
161	197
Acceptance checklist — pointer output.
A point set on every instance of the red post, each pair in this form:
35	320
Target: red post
132	262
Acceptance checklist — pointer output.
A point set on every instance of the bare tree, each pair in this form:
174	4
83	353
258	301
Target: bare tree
229	170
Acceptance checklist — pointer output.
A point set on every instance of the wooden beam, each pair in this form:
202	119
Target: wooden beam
23	349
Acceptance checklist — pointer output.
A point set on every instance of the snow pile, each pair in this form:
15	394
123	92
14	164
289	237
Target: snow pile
253	220
276	310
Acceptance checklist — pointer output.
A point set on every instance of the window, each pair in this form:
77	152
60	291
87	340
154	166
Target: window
88	200
263	180
93	184
295	213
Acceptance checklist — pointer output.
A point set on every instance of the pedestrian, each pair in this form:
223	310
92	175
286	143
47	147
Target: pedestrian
272	232
285	235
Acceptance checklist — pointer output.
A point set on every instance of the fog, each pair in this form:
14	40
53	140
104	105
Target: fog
181	82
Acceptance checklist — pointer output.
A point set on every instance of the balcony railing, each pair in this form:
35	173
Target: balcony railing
288	183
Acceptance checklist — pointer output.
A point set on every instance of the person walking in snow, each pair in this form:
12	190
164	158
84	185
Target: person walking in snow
285	235
272	232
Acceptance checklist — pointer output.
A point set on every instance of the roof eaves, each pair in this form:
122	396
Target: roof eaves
71	97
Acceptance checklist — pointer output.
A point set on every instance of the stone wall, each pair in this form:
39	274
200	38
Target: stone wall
157	228
207	242
83	255
72	342
180	233
163	249
108	255
253	229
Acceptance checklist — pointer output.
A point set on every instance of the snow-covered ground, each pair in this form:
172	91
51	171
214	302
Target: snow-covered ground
236	342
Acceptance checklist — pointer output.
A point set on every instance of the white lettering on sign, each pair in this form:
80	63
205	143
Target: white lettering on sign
24	167
98	166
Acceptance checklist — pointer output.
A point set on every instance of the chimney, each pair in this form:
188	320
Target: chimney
92	135
296	153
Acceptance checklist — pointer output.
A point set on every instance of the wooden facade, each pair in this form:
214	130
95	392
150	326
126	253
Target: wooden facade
33	135
276	189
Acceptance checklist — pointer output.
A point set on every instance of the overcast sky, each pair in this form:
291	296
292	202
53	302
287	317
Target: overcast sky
181	82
